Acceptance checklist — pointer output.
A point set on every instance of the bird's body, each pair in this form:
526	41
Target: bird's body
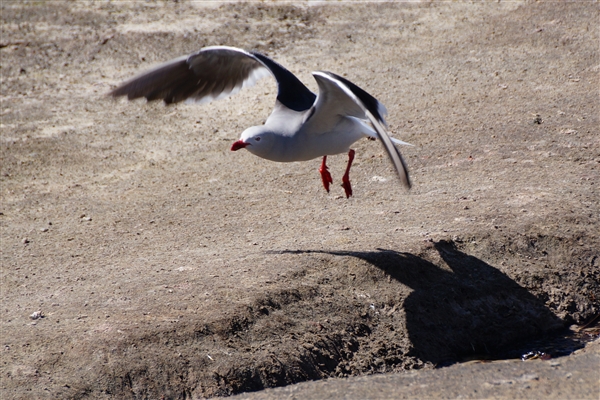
302	125
292	138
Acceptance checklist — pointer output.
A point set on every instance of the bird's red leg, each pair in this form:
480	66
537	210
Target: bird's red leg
346	177
325	175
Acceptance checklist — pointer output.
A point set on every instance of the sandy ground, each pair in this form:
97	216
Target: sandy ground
162	264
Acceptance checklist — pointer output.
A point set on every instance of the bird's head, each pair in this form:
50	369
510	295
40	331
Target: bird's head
256	140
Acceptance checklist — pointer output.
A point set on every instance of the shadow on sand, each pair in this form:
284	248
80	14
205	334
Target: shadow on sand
473	309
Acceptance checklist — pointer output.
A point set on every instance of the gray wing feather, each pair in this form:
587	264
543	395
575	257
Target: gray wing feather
333	103
209	74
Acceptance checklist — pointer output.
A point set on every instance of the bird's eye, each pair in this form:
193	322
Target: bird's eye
257	139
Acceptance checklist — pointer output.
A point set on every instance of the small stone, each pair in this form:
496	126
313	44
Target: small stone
25	240
37	315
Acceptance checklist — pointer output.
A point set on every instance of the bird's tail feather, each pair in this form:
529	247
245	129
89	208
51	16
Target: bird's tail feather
398	141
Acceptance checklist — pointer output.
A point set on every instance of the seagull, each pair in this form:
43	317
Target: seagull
302	126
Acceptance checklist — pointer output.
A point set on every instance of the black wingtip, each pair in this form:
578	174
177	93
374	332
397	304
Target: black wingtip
116	92
408	182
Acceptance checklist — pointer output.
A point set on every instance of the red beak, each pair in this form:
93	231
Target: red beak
238	145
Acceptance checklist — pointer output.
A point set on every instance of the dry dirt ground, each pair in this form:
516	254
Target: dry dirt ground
162	264
572	377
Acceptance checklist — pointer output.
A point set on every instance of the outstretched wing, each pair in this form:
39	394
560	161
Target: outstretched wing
338	97
210	74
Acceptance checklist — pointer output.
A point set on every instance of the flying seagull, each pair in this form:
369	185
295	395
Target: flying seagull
301	127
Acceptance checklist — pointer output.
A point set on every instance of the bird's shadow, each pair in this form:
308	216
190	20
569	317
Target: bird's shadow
471	308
